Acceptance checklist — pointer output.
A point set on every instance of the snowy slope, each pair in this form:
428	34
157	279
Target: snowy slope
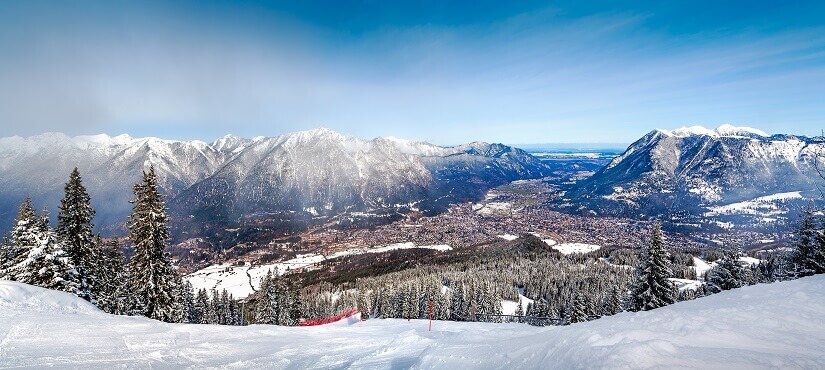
779	325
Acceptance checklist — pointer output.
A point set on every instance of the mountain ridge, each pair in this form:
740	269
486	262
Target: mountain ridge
295	172
690	169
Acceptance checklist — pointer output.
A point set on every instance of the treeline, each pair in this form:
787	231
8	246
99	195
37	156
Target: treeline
558	289
71	258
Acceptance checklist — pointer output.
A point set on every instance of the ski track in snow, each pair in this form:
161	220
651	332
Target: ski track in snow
780	325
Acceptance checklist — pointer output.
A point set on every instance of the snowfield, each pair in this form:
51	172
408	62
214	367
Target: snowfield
780	325
241	281
570	248
768	205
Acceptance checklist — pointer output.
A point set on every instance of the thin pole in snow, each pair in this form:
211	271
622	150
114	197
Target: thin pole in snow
243	313
431	315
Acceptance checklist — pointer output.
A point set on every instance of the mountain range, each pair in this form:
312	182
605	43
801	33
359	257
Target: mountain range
315	173
693	170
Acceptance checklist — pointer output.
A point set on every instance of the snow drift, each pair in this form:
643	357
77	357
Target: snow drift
779	325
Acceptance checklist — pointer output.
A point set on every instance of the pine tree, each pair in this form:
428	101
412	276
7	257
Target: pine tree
459	311
295	309
613	303
75	232
154	282
188	312
111	293
263	306
728	272
364	304
578	311
809	257
201	307
214	308
46	264
652	288
22	237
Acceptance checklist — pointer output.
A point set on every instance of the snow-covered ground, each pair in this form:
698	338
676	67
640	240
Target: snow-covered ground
570	248
768	205
509	307
686	284
493	208
240	280
780	325
508	236
701	266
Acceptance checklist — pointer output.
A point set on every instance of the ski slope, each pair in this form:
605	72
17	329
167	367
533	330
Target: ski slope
779	325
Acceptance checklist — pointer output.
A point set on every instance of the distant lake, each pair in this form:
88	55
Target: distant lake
575	151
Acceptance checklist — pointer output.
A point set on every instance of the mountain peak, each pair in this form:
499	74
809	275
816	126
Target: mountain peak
725	130
731	130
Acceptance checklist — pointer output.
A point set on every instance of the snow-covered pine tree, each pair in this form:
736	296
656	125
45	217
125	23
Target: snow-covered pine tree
613	302
154	282
652	288
295	307
285	307
22	237
188	312
111	294
364	304
460	309
74	228
809	257
201	307
263	308
214	308
441	306
4	255
234	312
578	309
46	264
728	272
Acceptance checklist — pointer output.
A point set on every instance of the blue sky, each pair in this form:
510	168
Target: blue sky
446	72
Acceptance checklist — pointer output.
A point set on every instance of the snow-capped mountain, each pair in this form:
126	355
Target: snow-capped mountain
692	168
317	171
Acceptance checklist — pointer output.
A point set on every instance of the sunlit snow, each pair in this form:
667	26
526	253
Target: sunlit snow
778	325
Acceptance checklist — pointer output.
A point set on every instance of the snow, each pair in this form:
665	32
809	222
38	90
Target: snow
570	248
693	130
241	281
509	307
743	328
686	284
765	205
494	208
725	130
507	236
730	130
408	245
749	260
701	266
